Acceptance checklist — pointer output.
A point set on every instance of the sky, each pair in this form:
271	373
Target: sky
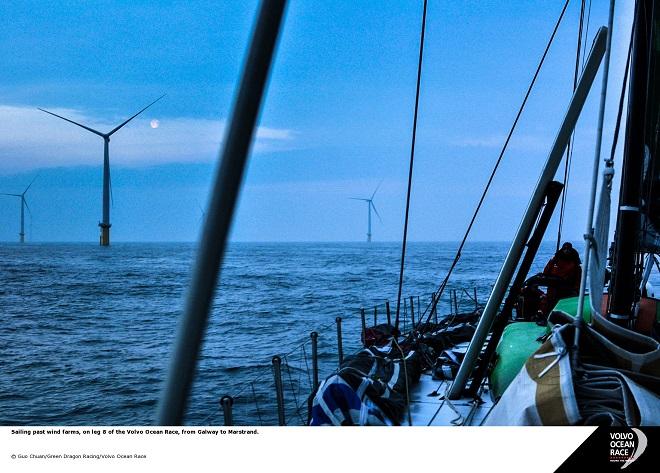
336	120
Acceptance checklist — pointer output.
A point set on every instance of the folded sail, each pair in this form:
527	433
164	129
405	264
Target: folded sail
599	247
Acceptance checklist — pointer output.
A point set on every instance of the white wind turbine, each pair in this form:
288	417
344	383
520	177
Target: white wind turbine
370	205
105	223
24	205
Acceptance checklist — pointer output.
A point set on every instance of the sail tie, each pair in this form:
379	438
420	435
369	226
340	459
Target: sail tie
559	353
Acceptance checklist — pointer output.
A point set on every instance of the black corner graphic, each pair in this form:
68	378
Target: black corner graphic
615	449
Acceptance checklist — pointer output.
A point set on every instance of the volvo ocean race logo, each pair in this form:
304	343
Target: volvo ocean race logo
626	447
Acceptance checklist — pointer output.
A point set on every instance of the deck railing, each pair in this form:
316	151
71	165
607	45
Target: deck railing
281	393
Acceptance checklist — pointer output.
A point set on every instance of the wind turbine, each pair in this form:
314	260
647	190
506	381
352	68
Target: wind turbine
105	223
24	205
202	217
370	205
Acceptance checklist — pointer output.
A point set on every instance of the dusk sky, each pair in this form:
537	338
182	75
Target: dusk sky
335	122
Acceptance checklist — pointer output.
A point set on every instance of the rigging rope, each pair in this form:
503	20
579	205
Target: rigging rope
256	404
309	378
586	35
405	377
617	126
457	257
569	148
293	390
412	160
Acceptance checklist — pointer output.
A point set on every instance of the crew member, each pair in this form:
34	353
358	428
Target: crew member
561	276
563	273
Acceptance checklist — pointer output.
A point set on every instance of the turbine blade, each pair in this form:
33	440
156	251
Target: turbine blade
202	213
75	123
377	187
131	118
15	195
27	206
374	207
357	198
26	189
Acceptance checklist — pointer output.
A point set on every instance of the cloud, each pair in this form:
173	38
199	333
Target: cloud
495	141
31	139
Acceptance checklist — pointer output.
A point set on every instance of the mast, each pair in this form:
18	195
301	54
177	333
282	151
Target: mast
369	222
22	234
626	263
105	223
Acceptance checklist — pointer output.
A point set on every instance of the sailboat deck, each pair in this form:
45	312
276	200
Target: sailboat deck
428	407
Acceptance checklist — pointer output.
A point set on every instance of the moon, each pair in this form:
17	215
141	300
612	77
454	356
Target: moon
154	123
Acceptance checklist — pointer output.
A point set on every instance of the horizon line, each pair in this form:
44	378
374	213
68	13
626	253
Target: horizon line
11	242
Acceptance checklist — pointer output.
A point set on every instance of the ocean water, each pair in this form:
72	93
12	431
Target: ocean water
86	331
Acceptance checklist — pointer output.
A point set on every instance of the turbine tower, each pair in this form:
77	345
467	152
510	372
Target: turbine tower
105	223
370	205
24	205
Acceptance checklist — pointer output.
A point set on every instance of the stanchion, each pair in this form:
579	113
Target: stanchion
340	348
226	403
412	312
315	359
364	327
434	308
279	392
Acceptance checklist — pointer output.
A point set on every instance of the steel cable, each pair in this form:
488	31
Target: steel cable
457	257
